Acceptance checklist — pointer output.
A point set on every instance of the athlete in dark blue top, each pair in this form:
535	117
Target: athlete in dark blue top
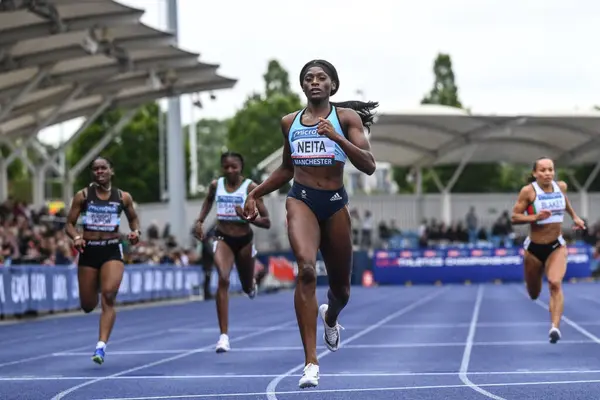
317	142
100	249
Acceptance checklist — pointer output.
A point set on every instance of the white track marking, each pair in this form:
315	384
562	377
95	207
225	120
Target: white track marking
464	366
335	375
164	360
273	384
353	390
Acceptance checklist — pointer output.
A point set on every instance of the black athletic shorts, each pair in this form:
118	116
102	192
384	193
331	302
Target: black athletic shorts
236	243
97	252
323	203
543	251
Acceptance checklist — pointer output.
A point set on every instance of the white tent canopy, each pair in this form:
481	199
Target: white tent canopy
438	135
431	135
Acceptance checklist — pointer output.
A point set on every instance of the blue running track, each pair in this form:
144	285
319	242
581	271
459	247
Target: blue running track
427	342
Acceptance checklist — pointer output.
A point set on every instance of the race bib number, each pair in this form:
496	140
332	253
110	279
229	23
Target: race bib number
226	206
316	151
101	219
552	201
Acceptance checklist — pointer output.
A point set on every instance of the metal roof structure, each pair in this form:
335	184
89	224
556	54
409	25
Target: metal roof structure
438	135
63	59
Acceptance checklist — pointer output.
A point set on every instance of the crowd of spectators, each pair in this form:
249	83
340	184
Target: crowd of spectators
36	236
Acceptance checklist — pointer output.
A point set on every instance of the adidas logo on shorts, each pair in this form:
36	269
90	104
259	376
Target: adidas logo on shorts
335	197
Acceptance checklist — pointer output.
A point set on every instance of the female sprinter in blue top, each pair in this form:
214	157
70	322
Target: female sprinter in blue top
317	142
233	239
542	204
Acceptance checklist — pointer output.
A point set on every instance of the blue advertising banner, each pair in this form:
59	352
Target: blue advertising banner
454	265
26	289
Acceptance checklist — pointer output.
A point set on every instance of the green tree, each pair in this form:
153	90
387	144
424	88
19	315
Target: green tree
255	130
444	90
17	169
212	141
134	152
474	178
19	180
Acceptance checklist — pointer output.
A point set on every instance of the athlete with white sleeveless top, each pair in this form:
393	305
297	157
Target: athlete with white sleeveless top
233	241
318	141
543	204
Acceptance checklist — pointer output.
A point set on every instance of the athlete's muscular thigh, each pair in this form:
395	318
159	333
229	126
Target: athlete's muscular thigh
336	247
244	262
224	259
111	276
534	271
88	281
303	232
556	266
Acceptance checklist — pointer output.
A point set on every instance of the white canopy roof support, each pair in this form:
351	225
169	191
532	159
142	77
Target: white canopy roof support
438	135
87	53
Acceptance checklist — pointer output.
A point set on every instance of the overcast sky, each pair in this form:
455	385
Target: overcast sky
509	56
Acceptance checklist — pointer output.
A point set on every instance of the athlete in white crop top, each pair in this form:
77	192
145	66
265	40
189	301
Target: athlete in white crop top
233	240
543	204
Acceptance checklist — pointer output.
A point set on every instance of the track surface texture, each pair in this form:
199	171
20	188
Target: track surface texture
420	342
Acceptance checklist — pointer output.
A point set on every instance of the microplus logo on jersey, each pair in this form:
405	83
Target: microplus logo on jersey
103	209
230	199
301	133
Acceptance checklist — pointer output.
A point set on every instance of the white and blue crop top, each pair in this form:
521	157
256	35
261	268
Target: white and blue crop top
227	201
309	148
554	202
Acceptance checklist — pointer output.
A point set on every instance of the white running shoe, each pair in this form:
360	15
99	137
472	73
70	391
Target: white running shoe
554	335
252	293
310	377
332	334
223	344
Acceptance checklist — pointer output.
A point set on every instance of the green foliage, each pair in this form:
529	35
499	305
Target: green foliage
474	178
255	130
444	91
18	174
134	152
212	140
17	169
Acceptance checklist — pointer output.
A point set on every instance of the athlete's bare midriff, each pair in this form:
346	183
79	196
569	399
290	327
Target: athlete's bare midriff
91	236
325	178
235	229
545	234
